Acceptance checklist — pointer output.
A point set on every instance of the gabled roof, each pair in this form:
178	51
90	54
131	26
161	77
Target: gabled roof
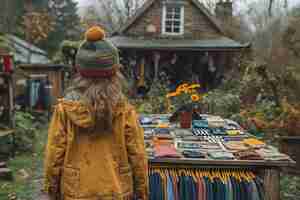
149	3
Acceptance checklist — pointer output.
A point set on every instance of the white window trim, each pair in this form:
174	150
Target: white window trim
164	15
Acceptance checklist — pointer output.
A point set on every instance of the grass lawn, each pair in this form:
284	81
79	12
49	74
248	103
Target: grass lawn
290	187
22	187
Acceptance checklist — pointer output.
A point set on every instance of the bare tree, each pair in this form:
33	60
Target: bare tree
209	4
9	14
111	13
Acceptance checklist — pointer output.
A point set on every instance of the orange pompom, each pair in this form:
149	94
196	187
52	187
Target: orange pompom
94	34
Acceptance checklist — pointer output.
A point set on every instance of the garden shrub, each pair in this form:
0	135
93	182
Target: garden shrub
26	131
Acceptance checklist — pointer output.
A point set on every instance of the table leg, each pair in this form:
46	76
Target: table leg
272	184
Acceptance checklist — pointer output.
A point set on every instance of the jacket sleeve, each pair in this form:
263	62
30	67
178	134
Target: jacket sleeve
55	151
137	155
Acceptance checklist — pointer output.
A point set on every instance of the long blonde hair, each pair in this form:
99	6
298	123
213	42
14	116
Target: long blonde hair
102	95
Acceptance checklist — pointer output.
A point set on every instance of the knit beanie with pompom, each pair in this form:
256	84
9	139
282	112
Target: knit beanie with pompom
96	56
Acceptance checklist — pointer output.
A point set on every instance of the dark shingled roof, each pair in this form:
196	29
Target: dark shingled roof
217	44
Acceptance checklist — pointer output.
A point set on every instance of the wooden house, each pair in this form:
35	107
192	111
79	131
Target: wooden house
180	38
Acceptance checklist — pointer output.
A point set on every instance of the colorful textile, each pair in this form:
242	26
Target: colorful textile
166	151
236	146
197	184
254	143
97	58
271	153
222	155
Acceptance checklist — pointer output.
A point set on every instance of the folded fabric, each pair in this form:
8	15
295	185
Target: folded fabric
162	141
161	131
210	146
218	131
235	138
189	145
271	153
254	143
221	155
234	132
201	131
215	121
236	146
248	155
183	133
163	125
150	153
231	125
192	138
148	132
145	120
166	151
193	154
200	123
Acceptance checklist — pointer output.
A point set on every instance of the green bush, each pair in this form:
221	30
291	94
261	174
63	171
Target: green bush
25	131
154	102
222	103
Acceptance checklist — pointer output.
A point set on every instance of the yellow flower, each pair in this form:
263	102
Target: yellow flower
172	94
193	86
182	88
195	97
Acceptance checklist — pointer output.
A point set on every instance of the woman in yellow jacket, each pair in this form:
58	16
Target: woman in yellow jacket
95	147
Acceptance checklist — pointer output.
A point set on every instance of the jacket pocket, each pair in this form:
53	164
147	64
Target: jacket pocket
71	178
126	179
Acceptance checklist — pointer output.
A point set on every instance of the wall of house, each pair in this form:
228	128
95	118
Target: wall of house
196	25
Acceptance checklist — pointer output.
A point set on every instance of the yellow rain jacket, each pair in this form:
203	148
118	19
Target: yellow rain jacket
85	164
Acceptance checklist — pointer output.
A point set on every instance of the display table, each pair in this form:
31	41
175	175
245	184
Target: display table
267	170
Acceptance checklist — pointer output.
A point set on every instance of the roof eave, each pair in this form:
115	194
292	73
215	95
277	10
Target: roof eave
182	48
42	66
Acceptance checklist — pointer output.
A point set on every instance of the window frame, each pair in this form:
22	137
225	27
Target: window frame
164	19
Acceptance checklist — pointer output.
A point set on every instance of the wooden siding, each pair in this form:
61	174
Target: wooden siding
196	24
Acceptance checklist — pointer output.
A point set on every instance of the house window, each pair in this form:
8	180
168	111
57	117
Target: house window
173	20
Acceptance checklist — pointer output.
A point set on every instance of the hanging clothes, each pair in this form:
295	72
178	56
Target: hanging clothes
38	94
34	93
201	184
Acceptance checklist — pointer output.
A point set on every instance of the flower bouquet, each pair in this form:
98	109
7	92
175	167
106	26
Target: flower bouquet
183	101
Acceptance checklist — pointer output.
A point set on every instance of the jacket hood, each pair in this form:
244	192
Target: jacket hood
79	113
82	115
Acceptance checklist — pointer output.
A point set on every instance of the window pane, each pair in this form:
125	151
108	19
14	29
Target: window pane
176	23
169	9
169	23
177	16
176	30
169	16
173	21
169	29
177	10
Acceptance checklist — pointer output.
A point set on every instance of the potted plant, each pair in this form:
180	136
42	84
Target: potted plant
184	100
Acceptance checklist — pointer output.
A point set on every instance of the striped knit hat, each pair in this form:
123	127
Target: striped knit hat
96	56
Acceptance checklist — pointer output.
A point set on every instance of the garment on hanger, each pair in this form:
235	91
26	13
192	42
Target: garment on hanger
204	184
38	94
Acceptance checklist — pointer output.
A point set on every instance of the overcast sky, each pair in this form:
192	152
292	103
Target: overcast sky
83	3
